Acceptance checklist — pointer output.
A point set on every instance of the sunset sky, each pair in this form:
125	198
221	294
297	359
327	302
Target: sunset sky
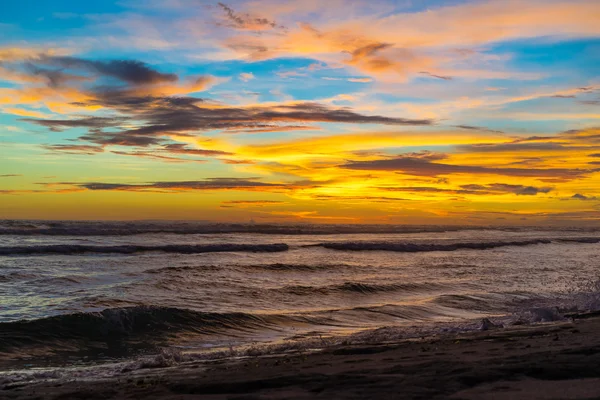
339	111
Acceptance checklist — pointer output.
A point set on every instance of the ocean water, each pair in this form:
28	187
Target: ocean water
80	293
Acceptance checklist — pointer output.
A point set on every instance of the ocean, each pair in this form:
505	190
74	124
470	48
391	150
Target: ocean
91	293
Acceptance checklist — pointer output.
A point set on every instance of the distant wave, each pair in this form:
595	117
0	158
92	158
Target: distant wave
131	249
359	288
116	228
265	267
405	247
424	247
300	267
16	276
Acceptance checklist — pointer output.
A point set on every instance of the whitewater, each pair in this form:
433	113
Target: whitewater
96	292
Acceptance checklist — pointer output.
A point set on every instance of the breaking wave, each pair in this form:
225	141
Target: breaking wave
115	324
132	249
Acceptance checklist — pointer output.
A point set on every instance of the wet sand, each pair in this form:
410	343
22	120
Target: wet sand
546	361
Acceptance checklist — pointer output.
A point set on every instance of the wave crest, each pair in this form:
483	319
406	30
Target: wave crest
424	247
116	324
69	249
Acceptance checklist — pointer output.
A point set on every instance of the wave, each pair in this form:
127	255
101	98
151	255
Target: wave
424	247
359	288
59	281
124	228
300	267
16	276
183	268
581	240
148	326
132	249
129	323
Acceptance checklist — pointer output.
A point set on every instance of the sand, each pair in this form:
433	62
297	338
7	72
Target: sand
544	361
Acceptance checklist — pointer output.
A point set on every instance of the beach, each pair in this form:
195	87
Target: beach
558	360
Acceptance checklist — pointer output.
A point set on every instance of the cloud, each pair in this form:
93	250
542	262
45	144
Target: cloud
509	147
178	148
519	190
248	184
430	189
578	196
477	128
147	154
473	189
246	21
130	71
246	76
163	116
443	77
10	175
74	149
360	80
250	203
422	167
58	125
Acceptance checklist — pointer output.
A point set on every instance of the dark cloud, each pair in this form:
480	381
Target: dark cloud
10	175
579	196
425	155
130	71
315	112
235	162
430	189
477	128
121	139
160	116
528	161
504	187
207	184
179	148
58	125
590	102
249	203
368	56
253	50
509	147
446	78
146	154
246	21
142	117
421	167
55	78
594	155
167	151
272	128
382	199
586	89
563	96
368	51
74	148
493	188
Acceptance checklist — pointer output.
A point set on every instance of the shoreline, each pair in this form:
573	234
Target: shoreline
543	361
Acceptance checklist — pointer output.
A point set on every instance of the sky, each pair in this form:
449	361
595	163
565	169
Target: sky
311	111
